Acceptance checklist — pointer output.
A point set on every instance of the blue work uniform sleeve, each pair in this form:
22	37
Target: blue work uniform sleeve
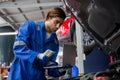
20	48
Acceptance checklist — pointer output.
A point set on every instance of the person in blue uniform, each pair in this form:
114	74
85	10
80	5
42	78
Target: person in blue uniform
36	46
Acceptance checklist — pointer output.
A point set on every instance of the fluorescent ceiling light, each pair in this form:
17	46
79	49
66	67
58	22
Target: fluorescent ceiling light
8	33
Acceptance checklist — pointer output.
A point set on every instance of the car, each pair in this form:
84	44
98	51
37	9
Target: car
101	20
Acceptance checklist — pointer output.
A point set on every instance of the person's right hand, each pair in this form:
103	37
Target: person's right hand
43	58
48	53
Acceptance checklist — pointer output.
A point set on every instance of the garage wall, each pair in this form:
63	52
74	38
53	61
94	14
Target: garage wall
6	44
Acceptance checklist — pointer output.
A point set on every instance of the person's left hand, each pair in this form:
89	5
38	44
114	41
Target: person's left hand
55	72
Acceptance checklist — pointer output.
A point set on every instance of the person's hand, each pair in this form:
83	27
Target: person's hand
48	53
43	58
55	71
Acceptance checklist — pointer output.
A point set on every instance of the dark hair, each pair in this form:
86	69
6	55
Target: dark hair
55	12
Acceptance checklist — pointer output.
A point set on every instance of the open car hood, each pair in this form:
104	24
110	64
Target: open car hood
101	19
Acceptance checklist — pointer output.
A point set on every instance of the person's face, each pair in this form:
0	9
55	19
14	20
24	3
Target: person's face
53	24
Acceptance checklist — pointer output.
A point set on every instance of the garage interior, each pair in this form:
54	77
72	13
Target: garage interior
15	12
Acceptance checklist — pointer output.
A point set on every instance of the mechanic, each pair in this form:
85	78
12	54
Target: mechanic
36	46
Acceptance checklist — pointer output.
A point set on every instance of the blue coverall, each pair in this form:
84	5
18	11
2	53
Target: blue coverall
31	40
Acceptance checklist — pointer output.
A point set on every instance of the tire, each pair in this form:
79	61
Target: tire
88	43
